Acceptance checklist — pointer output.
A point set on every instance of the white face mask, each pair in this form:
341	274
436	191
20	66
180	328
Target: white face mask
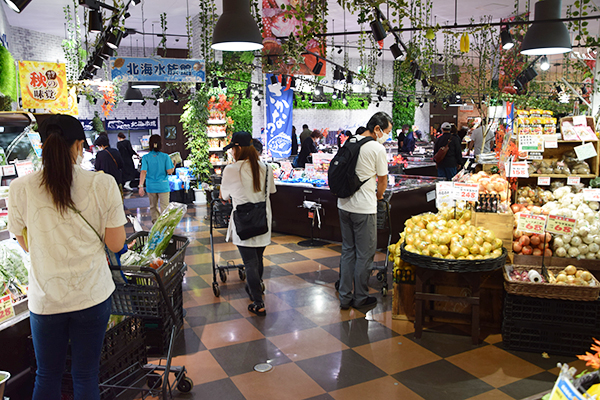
383	138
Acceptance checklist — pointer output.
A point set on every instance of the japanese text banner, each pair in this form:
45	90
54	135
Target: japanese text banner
280	103
156	69
44	85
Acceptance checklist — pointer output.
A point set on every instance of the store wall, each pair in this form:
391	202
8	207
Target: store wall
5	30
28	45
422	118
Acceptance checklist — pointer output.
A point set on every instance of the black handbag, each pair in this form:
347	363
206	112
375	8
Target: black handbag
251	218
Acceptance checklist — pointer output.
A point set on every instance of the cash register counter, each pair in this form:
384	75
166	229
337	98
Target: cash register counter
407	197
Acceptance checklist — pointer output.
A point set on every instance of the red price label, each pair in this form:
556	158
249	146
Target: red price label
543	180
591	194
467	191
560	225
6	308
531	223
573	180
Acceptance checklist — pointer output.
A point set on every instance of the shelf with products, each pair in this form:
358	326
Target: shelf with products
562	176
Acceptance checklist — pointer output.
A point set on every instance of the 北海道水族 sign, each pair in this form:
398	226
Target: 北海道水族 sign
157	69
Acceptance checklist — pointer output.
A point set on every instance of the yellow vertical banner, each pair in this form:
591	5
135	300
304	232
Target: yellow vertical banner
44	85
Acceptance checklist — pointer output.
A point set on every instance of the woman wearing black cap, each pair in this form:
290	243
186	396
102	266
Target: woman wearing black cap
58	213
244	182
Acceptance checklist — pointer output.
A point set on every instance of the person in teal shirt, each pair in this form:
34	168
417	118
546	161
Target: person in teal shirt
156	165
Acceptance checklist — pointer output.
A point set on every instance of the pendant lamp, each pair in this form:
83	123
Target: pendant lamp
236	29
17	5
544	38
133	95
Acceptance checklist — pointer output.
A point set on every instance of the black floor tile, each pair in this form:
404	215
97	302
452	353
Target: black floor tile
275	271
228	255
443	380
187	342
445	344
320	277
537	359
340	370
307	297
295	247
336	247
241	358
216	390
233	289
285	258
194	282
281	322
323	396
530	386
211	313
360	331
202	269
331	262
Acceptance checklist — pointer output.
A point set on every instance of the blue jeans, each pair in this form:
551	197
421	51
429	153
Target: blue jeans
447	172
359	242
51	334
253	264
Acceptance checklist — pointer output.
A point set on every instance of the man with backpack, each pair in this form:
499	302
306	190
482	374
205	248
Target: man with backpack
358	177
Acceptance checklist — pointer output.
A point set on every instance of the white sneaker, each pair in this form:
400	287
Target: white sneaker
126	186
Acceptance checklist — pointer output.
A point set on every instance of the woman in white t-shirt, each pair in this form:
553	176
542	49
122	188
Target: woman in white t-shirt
243	182
70	283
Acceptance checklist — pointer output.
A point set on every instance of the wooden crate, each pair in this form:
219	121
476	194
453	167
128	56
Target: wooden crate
501	224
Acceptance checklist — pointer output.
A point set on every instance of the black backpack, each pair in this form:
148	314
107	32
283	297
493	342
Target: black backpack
343	181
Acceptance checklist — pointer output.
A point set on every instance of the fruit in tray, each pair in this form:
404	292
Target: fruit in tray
531	244
442	235
572	276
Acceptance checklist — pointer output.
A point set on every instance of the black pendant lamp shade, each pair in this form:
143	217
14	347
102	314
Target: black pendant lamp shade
98	61
546	37
114	39
95	21
17	5
236	29
106	52
133	95
507	40
396	52
378	31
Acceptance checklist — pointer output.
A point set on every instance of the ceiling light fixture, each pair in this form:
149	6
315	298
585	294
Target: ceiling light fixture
95	21
543	38
506	38
293	82
133	95
318	90
349	78
114	38
334	95
274	80
17	5
544	63
344	100
396	52
135	2
145	85
377	30
236	29
317	68
106	52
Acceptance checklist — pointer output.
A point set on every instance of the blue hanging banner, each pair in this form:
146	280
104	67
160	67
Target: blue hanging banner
156	69
280	102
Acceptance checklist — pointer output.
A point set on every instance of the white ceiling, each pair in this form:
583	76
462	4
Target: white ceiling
48	16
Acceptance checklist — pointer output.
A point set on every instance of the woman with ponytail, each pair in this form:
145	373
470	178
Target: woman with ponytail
54	213
244	182
156	165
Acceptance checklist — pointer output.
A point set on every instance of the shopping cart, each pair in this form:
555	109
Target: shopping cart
220	213
384	222
148	293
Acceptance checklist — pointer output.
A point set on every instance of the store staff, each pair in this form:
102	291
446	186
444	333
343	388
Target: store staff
401	136
309	146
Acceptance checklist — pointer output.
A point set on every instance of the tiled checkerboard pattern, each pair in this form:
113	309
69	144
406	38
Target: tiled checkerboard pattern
319	351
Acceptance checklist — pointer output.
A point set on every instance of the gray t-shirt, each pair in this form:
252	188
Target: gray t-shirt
477	137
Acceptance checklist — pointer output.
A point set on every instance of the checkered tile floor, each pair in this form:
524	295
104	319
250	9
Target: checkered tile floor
319	351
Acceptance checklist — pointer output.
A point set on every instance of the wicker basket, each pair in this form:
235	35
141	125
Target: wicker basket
443	264
550	290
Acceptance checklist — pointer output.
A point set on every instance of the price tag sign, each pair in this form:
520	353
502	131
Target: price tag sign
573	180
391	180
518	170
6	308
534	155
585	151
551	144
24	168
531	143
8	170
286	166
543	181
430	196
579	120
466	191
591	194
310	170
444	194
560	225
531	223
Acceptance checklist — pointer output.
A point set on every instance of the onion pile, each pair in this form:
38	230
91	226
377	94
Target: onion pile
443	236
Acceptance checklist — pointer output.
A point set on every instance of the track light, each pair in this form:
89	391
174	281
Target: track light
424	82
258	104
334	95
215	83
145	85
378	31
340	50
114	38
377	105
344	100
17	5
144	103
318	90
95	101
506	38
274	80
293	82
94	21
421	104
223	85
98	61
544	63
317	68
248	92
106	52
379	98
135	2
256	98
155	102
396	52
175	98
349	78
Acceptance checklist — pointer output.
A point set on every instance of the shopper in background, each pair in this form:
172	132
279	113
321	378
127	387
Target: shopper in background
243	182
358	215
156	165
309	146
305	133
109	160
70	283
478	143
448	167
127	153
409	143
294	142
402	135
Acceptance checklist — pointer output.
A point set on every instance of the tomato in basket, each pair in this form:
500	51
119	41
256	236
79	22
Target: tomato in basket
157	263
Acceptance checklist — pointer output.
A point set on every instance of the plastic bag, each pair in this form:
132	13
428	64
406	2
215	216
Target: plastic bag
162	231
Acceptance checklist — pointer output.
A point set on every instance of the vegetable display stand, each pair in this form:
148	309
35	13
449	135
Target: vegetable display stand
403	301
499	223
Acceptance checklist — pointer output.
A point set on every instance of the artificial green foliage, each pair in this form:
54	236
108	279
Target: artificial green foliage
8	75
527	101
97	123
241	114
193	119
236	67
403	111
354	103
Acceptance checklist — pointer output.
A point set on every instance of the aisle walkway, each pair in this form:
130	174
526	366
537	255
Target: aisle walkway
320	352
